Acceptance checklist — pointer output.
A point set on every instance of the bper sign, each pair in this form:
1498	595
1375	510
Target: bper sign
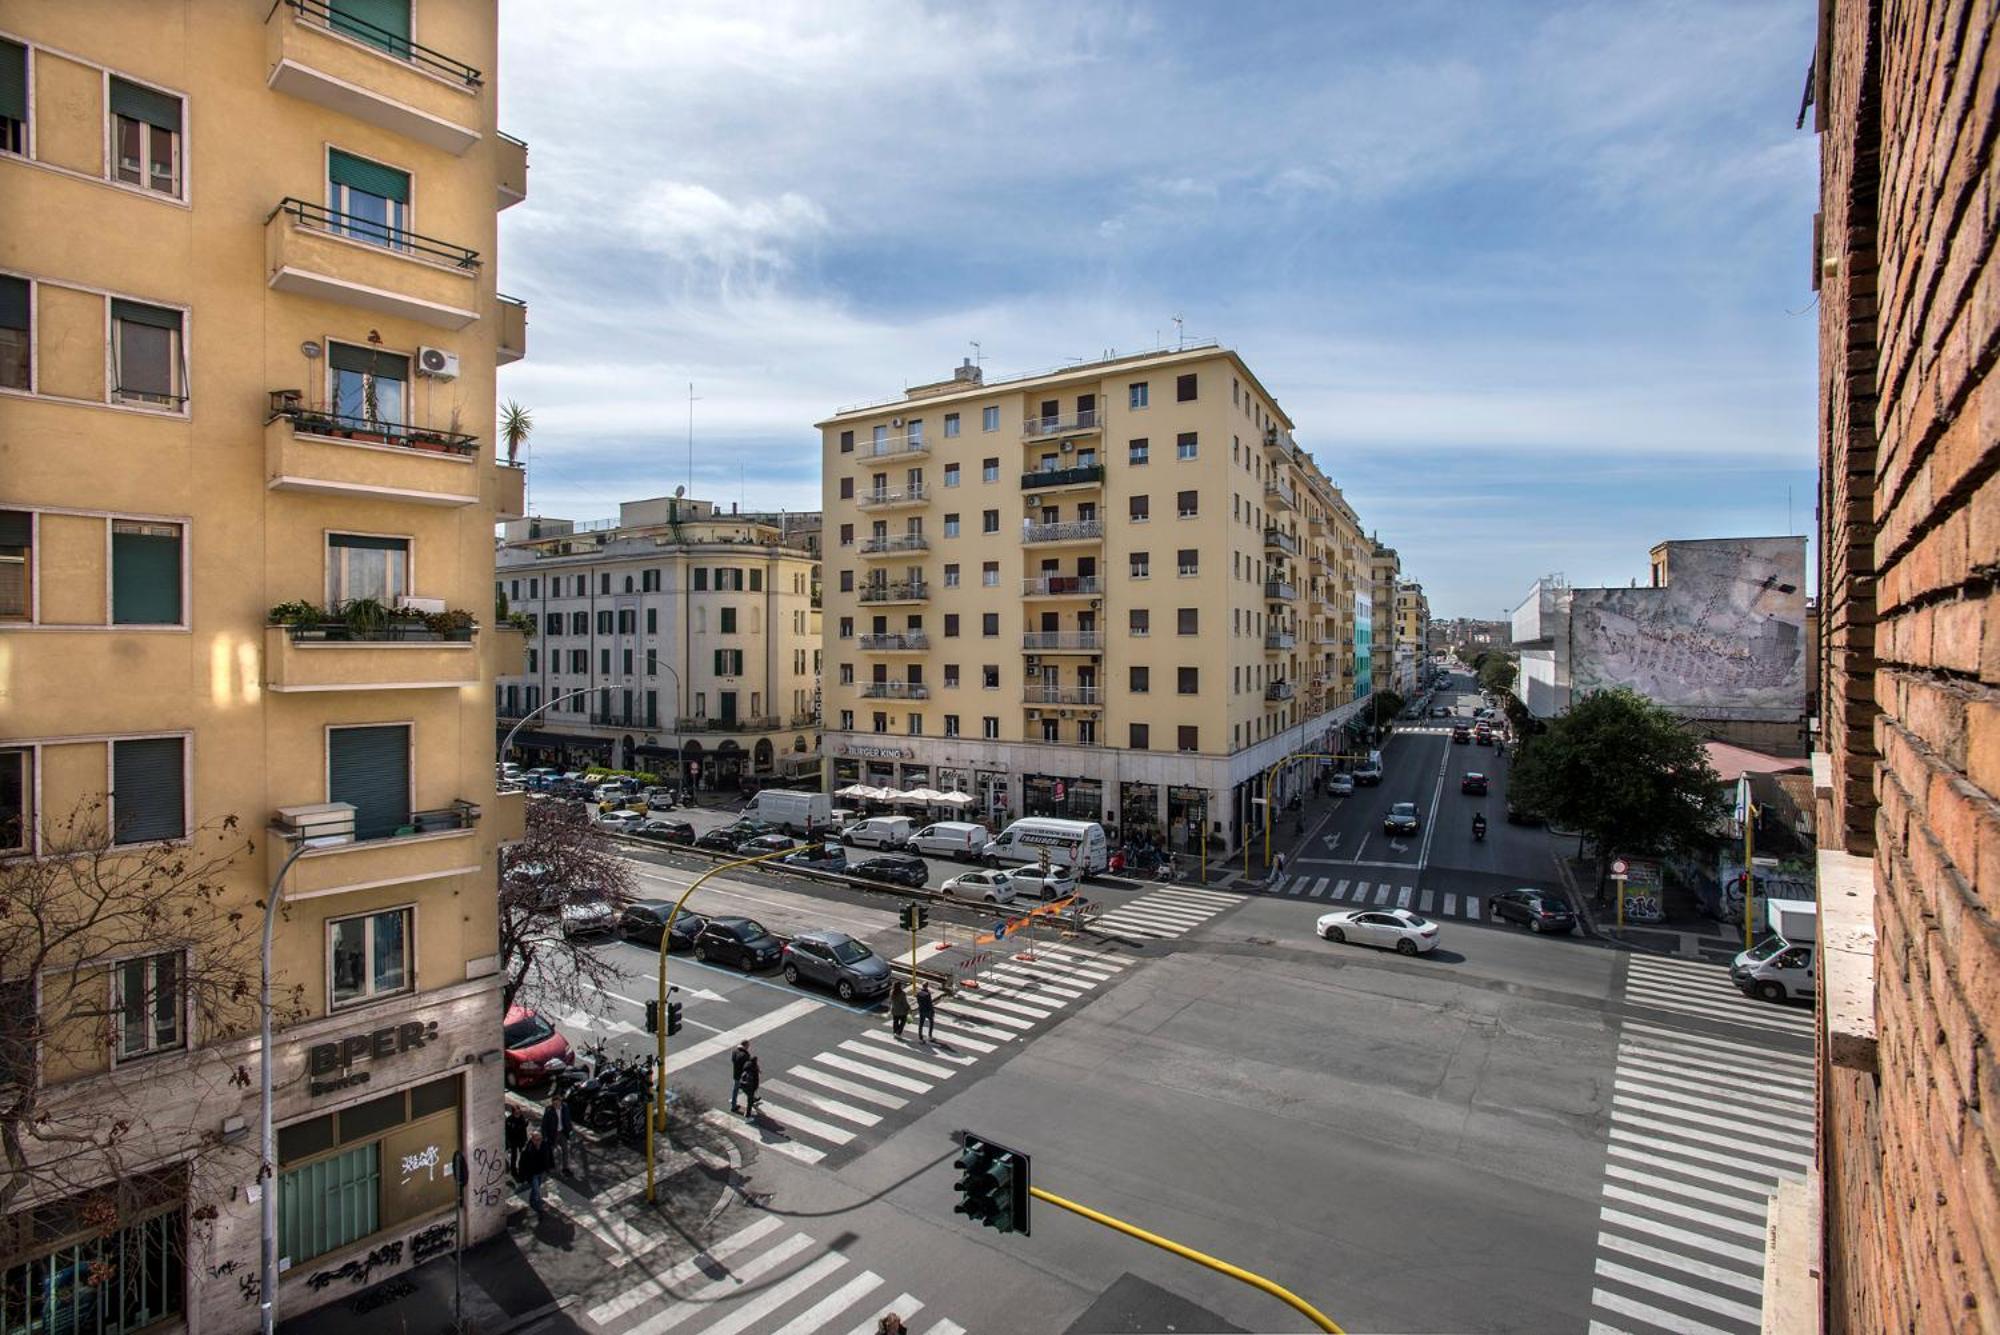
324	1059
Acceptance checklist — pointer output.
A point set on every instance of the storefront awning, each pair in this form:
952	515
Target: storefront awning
560	739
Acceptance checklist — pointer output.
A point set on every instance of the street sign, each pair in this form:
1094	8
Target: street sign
1059	790
1618	868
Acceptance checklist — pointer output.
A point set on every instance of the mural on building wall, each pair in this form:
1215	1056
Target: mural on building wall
1726	633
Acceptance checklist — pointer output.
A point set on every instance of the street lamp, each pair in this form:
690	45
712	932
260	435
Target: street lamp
522	722
680	738
267	1142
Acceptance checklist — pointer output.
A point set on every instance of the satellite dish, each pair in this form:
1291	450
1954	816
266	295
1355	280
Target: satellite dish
679	492
310	349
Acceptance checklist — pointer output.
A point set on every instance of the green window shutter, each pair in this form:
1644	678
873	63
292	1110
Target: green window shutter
145	574
17	528
364	361
13	80
383	23
369	768
132	312
369	177
13	302
143	104
718	663
148	790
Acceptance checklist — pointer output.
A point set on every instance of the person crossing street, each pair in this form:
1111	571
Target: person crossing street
739	1061
899	1008
926	1013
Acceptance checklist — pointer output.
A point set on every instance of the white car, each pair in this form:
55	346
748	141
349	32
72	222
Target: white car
1392	929
1340	785
995	887
621	822
589	919
1030	881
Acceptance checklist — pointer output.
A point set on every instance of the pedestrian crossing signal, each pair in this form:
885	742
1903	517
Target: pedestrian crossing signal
992	1184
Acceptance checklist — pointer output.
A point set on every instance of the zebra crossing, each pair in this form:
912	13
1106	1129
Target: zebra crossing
1355	892
1162	915
1702	1132
1701	990
842	1096
766	1277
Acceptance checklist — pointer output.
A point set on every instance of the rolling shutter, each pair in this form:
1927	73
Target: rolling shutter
143	104
13	81
145	574
368	177
148	790
132	312
13	301
369	768
383	23
368	361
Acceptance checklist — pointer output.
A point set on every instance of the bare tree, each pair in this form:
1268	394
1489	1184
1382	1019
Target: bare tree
107	948
564	863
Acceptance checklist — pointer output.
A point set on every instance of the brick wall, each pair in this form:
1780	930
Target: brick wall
1909	96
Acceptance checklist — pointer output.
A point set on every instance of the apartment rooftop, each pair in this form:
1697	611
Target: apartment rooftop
645	526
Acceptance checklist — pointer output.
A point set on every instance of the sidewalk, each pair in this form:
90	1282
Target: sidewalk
503	1293
1684	935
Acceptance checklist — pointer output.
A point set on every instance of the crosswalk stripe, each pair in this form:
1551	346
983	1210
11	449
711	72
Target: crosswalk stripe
703	1298
1382	893
907	1046
747	1131
1745	1019
955	1042
831	1107
1068	988
1647	987
1707	1218
889	1078
1122	927
831	1306
847	1087
1733	1125
1319	886
1722	1200
905	1306
1276	884
1209	898
992	1000
1692	1066
1791	1160
1450	905
1736	1176
790	1122
1403	897
1715	1274
901	1059
1680	1293
1165	903
1665	1320
1173	912
1361	889
1472	907
1095	959
957	1027
1340	891
1693	1042
1015	980
1425	901
1740	1107
946	1328
639	1294
1722	1083
1752	1256
968	1008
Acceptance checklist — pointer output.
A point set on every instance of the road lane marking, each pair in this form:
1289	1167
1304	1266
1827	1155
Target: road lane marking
889	1078
729	1038
791	1123
737	1280
905	1306
1340	891
1319	886
903	1060
749	1131
1425	901
831	1107
1382	893
831	1306
847	1087
1680	1293
1450	905
698	1264
1403	897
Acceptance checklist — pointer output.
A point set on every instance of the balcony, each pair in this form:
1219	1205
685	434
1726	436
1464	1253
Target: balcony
1278	444
513	169
1279	494
1063	479
1319	525
310	658
1279	641
741	723
1062	586
513	329
512	502
892	447
1044	428
1280	690
900	642
909	591
348	65
895	690
1071	530
1063	642
619	718
1277	591
312	251
312	451
1320	560
888	499
1089	697
443	842
898	545
1277	540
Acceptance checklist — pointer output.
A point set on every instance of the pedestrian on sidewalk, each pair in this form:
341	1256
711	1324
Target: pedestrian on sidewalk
926	1013
516	1139
556	1127
738	1060
899	1008
534	1164
753	1075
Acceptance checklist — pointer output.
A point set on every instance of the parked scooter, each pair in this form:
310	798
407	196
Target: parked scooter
600	1112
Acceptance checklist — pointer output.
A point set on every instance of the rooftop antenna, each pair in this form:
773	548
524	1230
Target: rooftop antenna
1180	333
691	402
977	358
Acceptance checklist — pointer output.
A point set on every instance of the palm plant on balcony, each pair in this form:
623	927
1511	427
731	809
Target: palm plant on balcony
515	424
365	618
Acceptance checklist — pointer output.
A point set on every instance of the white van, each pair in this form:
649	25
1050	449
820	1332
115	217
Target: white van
1369	771
958	839
1781	965
790	810
1077	844
881	832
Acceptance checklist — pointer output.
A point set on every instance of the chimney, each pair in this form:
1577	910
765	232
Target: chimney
968	374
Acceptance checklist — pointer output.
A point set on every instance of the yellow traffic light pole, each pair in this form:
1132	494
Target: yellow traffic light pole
1265	781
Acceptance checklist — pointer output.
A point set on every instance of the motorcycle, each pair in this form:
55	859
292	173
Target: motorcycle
1479	829
600	1112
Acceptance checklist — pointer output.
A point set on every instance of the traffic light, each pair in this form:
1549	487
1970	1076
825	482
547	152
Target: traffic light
673	1017
992	1184
913	916
652	1017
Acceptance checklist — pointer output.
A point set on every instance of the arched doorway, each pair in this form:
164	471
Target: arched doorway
766	757
728	765
629	756
693	772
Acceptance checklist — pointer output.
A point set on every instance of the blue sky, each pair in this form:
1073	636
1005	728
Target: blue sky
1531	278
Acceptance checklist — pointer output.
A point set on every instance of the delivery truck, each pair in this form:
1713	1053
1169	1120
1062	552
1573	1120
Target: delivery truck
1781	965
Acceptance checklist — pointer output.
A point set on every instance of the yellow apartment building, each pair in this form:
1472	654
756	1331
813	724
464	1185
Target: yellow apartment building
693	637
1413	631
248	484
1384	566
1118	591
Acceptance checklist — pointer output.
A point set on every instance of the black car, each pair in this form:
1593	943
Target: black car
1402	819
838	961
905	869
1474	782
643	921
665	831
1461	736
1538	910
726	838
739	941
818	857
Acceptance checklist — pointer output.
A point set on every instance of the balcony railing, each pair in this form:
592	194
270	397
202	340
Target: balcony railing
512	344
1279	540
1069	530
901	542
325	825
807	720
892	447
1043	479
355	227
286	403
1044	641
895	690
874	500
1061	586
909	592
393	43
908	641
1278	641
1037	694
1276	590
1036	428
741	723
618	718
329	54
1280	690
1279	442
1281	493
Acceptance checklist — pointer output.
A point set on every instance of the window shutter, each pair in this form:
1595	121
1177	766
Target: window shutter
368	544
370	177
368	361
132	312
13	80
143	104
145	574
17	528
369	768
148	790
383	23
719	671
13	302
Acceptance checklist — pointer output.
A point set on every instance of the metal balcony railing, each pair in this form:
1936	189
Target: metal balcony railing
1035	693
896	642
741	723
288	404
1069	530
1279	540
394	43
1281	491
1280	690
1281	640
460	815
892	447
895	690
1035	428
355	227
901	542
910	591
1043	478
619	718
915	495
1043	640
1061	586
1278	591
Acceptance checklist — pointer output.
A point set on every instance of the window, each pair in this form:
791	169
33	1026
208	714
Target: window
147	999
951	424
652	621
989	623
847	489
604	622
847	720
1189	561
579	623
1189	504
847	581
989	728
989	521
146	137
951	625
1186	445
728	662
989	575
142	1264
148	789
145	573
989	470
579	663
1141	509
360	566
146	355
951	676
369	768
989	420
1142	680
1190	737
951	725
989	677
370	202
1142	565
1189	620
951	475
1184	388
881	722
847	442
756	580
17	791
1138	452
728	626
13	97
1141	736
383	23
847	674
368	956
951	526
846	628
914	724
1189	681
627	663
951	575
17	565
1138	395
847	535
15	362
1140	620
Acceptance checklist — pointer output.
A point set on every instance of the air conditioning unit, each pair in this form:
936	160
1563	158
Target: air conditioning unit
1033	662
409	604
437	363
1034	716
1062	713
1031	501
895	421
1069	447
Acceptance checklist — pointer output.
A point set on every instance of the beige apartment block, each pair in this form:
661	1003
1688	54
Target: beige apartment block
1118	591
248	339
675	637
1413	632
1384	569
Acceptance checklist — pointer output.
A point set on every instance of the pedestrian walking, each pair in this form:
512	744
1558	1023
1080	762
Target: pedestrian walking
516	1127
899	1008
891	1324
738	1060
753	1075
1277	867
556	1127
534	1165
926	1013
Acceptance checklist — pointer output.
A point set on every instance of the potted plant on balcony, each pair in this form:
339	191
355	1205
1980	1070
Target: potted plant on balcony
364	618
451	624
305	620
407	623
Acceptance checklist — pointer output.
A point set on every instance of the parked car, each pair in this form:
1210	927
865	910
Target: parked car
881	832
759	844
1392	929
1402	819
739	941
1461	736
1056	883
665	830
530	1043
644	921
726	838
844	818
621	822
994	887
660	798
838	961
1537	910
1441	711
1340	785
903	869
1474	782
827	856
962	841
590	917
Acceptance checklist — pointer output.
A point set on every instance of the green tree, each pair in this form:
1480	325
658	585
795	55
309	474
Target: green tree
1384	707
515	424
1496	673
1626	773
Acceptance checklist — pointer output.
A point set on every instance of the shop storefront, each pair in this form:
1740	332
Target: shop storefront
1063	796
846	772
1139	812
880	774
953	780
1187	809
916	776
76	1277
